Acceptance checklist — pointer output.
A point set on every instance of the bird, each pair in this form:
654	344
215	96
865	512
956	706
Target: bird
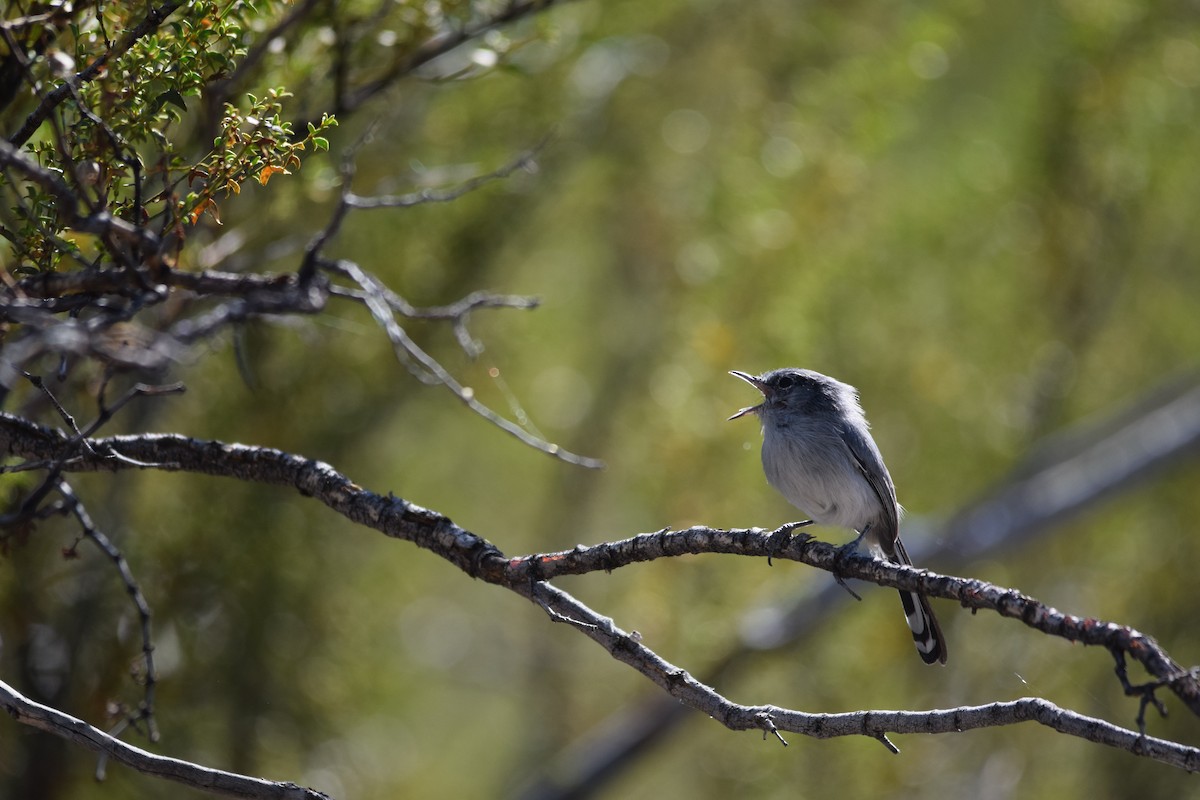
819	454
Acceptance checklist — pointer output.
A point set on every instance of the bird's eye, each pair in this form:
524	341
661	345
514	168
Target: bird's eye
786	382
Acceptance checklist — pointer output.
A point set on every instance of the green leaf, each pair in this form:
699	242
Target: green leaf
171	96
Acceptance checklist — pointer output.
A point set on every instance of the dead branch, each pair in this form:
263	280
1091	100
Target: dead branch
527	576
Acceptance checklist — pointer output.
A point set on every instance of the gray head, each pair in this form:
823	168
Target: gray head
799	391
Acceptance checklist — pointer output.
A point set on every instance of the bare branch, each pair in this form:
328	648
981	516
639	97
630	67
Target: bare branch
36	715
33	300
31	508
137	390
477	557
876	724
40	385
150	674
120	282
351	99
973	594
526	161
25	22
461	308
348	200
428	369
457	313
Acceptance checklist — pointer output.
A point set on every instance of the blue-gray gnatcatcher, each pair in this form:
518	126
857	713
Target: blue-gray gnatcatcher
818	452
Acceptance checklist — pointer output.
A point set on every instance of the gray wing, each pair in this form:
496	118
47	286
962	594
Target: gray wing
926	632
870	463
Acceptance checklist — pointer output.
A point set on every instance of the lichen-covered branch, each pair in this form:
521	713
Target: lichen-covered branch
527	576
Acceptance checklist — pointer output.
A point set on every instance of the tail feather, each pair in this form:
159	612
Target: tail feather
926	632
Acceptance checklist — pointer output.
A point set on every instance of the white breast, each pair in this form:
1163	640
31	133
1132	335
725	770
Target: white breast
832	494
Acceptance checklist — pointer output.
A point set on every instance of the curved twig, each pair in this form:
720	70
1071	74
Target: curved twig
51	720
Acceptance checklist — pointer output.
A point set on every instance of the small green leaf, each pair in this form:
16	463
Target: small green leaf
171	96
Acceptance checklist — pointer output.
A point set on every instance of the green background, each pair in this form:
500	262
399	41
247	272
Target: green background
980	214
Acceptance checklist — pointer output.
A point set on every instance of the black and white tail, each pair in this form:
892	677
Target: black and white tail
926	632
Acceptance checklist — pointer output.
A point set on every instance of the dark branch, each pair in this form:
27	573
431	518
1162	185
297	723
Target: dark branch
34	301
479	558
440	44
133	589
973	594
44	718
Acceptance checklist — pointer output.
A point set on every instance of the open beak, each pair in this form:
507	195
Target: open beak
757	384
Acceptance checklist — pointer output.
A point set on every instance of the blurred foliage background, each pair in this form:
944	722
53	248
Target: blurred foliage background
980	214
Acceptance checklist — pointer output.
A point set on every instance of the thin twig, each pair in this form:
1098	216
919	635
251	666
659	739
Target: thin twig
349	99
107	412
525	161
150	674
187	773
40	385
428	369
